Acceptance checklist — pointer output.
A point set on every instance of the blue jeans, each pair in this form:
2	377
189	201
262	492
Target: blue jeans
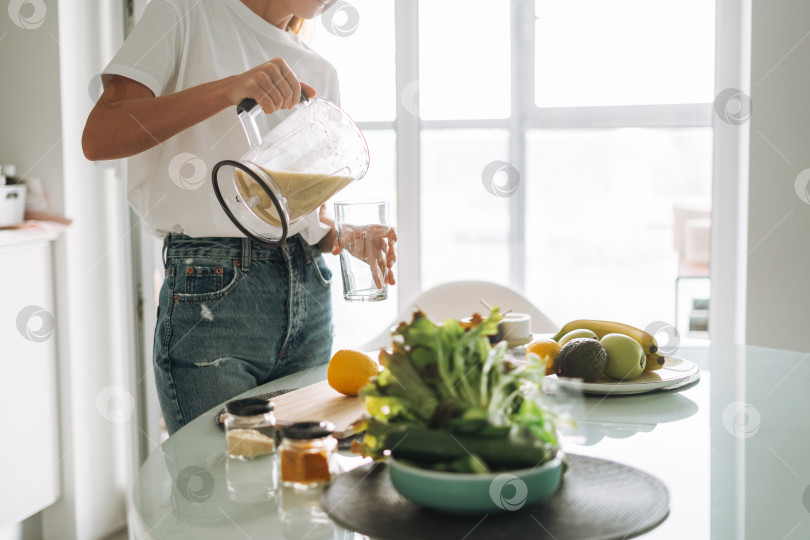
233	315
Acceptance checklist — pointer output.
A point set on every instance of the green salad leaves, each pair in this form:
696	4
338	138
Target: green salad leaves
448	400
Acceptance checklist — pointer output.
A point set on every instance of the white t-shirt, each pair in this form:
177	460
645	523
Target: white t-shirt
179	44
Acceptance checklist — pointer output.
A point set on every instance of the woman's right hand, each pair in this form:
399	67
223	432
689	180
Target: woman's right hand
273	85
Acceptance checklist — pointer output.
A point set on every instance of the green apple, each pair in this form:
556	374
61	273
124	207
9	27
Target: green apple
574	334
626	358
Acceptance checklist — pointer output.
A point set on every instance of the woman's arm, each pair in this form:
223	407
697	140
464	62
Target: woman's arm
129	119
327	243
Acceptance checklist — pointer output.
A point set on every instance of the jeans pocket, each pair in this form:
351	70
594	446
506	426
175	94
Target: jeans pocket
198	279
322	270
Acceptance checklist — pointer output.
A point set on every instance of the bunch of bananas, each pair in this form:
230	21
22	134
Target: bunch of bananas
602	328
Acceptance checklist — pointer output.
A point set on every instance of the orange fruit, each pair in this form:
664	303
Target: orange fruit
350	370
547	350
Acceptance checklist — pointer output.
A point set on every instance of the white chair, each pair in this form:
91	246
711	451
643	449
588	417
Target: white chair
459	299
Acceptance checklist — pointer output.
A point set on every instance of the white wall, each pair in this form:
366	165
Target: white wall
778	235
93	289
30	111
30	137
46	96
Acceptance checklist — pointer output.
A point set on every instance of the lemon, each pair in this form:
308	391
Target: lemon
547	350
579	333
350	370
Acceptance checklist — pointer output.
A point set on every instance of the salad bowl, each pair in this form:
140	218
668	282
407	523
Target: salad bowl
477	492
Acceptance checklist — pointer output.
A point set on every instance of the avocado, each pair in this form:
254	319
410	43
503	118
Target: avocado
581	358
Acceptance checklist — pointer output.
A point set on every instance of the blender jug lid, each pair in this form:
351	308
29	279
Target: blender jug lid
240	207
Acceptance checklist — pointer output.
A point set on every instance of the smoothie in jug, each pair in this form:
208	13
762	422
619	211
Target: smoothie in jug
304	192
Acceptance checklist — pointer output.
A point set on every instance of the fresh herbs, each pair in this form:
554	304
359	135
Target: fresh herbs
448	400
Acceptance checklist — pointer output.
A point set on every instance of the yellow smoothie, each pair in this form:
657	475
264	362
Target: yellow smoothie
304	192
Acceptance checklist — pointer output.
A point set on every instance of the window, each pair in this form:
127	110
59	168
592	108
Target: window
618	139
464	69
464	105
358	39
623	52
465	230
599	215
555	142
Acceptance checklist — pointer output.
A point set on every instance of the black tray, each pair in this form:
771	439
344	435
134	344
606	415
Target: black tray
597	500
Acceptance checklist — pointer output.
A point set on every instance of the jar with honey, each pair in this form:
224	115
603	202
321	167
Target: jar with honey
306	454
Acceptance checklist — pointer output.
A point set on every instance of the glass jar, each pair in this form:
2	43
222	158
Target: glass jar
250	436
306	454
250	428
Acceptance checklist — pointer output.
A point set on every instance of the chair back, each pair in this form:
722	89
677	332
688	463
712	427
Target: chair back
459	299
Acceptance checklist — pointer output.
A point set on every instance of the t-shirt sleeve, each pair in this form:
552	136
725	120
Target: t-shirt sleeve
151	53
313	230
335	88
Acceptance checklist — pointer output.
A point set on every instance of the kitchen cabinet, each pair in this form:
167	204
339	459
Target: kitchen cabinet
29	453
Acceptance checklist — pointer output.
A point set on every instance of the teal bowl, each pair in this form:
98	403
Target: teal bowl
477	493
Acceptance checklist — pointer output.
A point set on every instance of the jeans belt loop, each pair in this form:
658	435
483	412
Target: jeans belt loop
245	254
165	251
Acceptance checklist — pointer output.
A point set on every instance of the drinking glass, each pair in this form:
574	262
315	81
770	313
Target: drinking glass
365	236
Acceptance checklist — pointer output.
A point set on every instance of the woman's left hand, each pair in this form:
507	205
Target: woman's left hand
373	244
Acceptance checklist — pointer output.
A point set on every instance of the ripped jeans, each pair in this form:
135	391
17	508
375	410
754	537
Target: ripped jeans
233	315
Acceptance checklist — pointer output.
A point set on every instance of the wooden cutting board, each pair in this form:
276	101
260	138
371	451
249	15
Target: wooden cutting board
318	402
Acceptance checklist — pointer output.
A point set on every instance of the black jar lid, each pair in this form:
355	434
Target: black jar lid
308	430
249	406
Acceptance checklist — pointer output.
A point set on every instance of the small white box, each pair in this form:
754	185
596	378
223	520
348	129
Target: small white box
12	204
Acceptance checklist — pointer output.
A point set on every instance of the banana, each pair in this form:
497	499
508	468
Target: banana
602	328
654	361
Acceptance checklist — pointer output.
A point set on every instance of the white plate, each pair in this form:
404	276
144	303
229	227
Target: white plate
675	370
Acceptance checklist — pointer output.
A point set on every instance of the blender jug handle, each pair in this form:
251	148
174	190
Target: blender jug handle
248	110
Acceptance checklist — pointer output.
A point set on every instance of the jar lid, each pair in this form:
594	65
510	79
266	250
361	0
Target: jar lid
249	406
308	430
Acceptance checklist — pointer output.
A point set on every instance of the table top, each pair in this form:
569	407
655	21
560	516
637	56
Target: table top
732	450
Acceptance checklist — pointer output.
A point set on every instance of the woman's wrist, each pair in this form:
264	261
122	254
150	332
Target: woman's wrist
227	92
325	244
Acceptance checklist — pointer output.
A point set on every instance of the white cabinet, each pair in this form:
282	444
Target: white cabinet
29	445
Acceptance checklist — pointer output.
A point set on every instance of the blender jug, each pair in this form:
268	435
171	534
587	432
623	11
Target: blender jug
291	171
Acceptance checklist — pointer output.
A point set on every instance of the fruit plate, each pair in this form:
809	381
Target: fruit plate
675	371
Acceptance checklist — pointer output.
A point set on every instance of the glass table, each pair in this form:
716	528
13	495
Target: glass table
733	450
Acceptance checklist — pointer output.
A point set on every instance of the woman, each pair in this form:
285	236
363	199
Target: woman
232	314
